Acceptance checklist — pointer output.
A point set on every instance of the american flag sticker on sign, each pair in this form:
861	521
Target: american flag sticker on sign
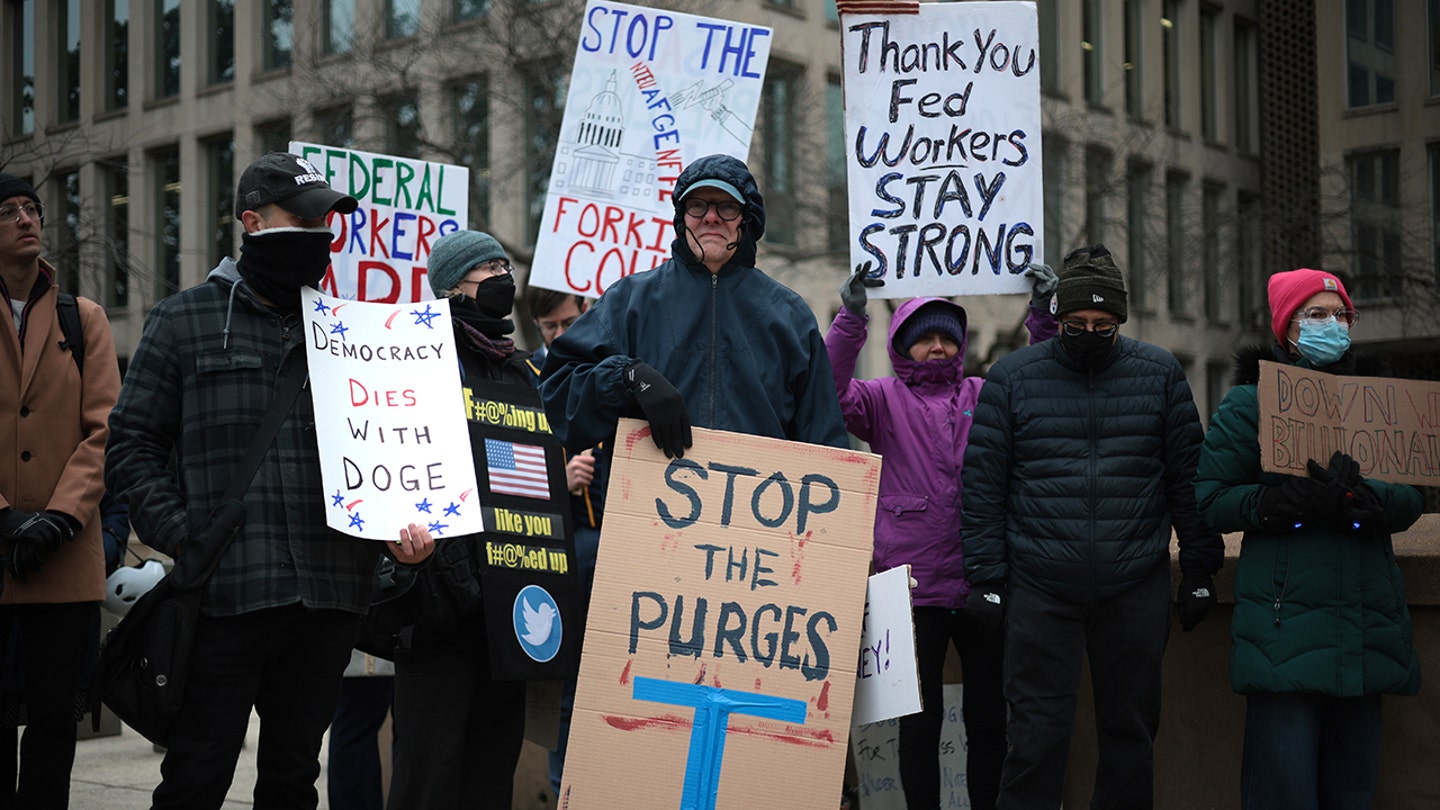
517	469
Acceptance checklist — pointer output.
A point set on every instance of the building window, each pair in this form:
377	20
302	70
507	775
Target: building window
781	125
336	127
838	223
167	215
1097	189
1217	384
1057	173
68	82
117	56
471	9
545	89
1434	19
1170	52
220	180
1247	111
1176	298
115	174
64	222
1213	197
1375	218
1137	209
832	13
21	22
403	136
1209	105
1049	46
278	34
1134	57
1248	231
402	18
1092	63
339	24
1435	209
470	110
222	41
274	136
167	48
1370	51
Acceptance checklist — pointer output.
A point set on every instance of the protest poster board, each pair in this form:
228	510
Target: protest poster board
719	659
887	681
394	444
1389	426
651	91
877	759
943	157
381	249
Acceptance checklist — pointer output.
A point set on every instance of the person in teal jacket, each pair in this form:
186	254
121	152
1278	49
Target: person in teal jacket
1320	629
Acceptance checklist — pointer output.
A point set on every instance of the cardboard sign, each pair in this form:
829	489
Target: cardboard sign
942	124
394	449
887	681
719	660
651	91
1390	427
380	250
876	747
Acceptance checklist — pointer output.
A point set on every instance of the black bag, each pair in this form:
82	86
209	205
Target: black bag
439	593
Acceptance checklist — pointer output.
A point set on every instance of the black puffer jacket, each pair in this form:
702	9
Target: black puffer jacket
1074	478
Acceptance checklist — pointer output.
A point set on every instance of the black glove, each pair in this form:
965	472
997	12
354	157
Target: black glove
1045	282
35	538
852	292
1292	505
1193	600
663	408
1356	505
986	607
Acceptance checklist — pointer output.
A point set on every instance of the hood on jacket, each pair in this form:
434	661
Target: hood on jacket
1247	363
752	221
905	368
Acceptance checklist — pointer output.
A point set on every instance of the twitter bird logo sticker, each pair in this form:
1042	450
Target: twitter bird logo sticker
537	623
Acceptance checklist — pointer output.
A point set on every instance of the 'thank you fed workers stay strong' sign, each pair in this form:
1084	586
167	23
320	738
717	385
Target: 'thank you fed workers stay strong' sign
720	654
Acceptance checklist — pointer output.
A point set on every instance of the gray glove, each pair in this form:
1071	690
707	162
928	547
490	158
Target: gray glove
1044	283
852	292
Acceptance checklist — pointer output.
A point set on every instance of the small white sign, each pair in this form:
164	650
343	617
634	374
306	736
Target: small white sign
887	682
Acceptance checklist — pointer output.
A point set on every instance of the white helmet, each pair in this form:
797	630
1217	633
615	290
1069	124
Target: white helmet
129	583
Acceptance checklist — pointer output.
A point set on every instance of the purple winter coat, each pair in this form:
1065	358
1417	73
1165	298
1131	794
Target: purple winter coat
919	421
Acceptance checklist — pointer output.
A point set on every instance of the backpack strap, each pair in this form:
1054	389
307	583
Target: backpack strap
68	310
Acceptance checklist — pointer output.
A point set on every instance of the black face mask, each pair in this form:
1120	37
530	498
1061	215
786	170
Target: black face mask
276	263
1088	349
495	296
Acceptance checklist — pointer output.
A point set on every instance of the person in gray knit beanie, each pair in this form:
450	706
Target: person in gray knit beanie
455	254
1089	279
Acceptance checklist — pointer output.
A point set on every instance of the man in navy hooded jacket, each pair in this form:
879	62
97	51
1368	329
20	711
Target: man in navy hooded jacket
705	338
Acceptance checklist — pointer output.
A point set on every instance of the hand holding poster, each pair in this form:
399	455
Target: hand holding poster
651	90
942	123
394	448
720	651
380	250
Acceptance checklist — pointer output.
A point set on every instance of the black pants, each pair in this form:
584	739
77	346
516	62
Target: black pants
285	663
984	711
353	773
1046	641
460	732
54	638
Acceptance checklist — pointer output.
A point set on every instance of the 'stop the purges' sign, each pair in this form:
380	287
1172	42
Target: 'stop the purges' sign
381	249
1390	427
651	91
720	652
394	443
942	126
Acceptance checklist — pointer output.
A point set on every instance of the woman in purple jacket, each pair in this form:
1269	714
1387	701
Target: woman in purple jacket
919	420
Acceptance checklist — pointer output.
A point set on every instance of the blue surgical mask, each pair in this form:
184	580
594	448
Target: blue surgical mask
1323	344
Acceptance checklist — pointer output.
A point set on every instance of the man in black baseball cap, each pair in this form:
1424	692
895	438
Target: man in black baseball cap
291	181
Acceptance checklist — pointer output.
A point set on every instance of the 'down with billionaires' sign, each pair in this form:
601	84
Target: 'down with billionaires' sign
719	659
651	90
380	250
394	448
942	124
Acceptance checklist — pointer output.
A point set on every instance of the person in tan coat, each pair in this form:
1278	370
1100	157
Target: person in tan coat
52	438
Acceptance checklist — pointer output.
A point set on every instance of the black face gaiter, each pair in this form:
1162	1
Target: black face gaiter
487	311
277	262
1087	348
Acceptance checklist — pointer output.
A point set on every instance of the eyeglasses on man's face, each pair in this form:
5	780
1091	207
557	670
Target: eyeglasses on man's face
728	210
33	210
551	327
1075	328
1320	316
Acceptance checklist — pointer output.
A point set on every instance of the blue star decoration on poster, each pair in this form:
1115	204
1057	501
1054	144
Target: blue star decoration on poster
452	509
437	528
322	307
423	506
337	499
424	318
339	328
356	522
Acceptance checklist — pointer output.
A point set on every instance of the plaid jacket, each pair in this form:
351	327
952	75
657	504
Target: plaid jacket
205	372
